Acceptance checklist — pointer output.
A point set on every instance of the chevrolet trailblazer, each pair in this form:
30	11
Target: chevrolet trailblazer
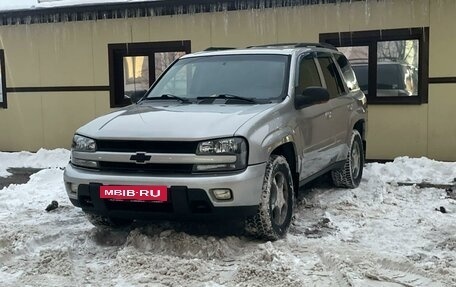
230	133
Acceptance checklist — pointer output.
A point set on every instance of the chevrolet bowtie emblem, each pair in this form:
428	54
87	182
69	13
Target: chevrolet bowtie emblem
140	157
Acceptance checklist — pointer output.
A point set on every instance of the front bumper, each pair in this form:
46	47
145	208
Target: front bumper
189	195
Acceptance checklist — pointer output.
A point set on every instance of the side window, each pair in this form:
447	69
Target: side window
134	67
308	75
332	77
347	72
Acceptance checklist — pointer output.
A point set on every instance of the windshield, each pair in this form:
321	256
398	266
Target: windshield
262	78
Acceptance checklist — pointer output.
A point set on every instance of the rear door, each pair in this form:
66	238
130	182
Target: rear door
342	82
341	104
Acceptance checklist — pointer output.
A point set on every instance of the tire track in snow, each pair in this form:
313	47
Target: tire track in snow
403	273
339	268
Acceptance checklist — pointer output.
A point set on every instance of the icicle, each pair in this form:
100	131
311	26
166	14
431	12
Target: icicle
74	16
65	17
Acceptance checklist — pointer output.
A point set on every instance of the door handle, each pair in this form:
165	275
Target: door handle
328	115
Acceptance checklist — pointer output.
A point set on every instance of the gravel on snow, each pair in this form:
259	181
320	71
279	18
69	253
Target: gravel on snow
380	234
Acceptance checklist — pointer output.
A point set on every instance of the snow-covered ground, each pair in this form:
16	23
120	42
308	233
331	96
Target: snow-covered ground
379	234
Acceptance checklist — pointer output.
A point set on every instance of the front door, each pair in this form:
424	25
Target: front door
313	122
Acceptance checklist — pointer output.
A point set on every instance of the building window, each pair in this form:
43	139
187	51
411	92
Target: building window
133	67
3	102
391	66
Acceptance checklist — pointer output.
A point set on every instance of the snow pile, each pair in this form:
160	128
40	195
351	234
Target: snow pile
405	169
41	159
380	234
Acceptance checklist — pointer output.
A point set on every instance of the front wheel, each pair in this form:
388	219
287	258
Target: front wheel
275	211
352	171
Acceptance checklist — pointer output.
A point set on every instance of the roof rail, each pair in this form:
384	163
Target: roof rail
297	45
218	48
318	45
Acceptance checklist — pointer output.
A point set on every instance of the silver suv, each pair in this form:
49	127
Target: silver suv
222	134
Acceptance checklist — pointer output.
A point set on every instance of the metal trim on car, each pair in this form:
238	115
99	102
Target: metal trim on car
160	158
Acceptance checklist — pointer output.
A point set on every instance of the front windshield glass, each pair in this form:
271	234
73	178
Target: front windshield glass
258	77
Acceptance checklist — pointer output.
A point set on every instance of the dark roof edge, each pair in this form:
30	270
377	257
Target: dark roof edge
100	11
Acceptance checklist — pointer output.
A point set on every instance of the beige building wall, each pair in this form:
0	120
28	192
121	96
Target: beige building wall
76	54
442	97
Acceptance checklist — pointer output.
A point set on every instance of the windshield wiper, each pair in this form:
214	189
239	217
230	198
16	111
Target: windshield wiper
228	97
168	97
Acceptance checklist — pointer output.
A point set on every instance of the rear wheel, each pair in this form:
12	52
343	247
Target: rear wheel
350	175
102	221
275	211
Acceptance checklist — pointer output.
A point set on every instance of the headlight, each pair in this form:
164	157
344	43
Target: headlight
81	143
228	146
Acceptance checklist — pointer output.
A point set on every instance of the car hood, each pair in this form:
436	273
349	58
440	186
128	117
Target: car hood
172	122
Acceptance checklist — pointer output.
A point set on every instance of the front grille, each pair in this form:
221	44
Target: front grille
149	168
147	146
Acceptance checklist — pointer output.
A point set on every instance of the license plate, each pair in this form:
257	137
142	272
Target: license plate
134	192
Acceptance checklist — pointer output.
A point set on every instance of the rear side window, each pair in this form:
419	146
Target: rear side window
347	72
308	74
332	77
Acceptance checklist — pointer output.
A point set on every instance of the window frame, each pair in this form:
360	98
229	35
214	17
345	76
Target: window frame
4	101
370	39
118	51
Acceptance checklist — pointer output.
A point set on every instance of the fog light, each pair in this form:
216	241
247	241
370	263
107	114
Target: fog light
74	187
211	167
222	193
84	163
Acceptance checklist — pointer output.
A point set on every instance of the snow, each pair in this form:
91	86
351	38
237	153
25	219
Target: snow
379	234
41	159
6	5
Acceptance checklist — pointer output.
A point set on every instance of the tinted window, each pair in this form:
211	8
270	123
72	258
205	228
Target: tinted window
308	75
347	71
332	77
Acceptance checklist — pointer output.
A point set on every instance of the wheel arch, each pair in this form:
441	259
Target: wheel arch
288	151
360	126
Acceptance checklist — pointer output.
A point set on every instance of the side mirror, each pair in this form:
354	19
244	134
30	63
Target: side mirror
135	96
311	96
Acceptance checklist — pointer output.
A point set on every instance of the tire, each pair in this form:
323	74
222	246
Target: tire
352	172
103	222
274	213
